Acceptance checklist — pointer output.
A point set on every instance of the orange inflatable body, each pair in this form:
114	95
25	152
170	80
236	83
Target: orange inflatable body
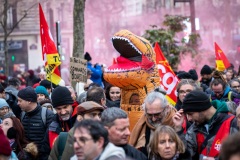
134	72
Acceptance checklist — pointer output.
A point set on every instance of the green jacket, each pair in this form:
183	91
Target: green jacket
68	150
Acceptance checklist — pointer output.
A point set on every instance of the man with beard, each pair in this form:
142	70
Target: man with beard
206	74
157	112
34	118
116	122
211	124
220	90
65	117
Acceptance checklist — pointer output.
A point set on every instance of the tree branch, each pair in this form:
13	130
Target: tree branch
16	24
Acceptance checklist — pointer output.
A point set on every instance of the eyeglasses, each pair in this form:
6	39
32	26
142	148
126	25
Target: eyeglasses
114	92
82	140
184	92
155	115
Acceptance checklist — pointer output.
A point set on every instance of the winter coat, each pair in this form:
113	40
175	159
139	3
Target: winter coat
215	123
182	156
30	152
133	153
235	97
68	151
11	99
56	127
110	103
97	73
34	127
110	152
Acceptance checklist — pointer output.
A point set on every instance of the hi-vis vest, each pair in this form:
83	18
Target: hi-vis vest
222	133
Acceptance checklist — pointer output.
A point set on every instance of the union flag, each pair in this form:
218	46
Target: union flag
222	62
49	51
168	79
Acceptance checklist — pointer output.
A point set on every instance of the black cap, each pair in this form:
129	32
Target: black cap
196	101
206	70
28	94
61	96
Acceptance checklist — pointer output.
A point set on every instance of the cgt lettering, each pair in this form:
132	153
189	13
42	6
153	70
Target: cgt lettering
169	81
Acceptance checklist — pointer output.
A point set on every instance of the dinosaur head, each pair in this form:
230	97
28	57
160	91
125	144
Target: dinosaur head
132	67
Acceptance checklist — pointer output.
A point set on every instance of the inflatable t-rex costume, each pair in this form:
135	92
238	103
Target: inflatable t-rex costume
134	72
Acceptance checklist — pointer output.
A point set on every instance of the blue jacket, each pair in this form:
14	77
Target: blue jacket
96	76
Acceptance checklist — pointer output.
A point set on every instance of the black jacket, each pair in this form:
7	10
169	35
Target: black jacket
11	99
110	104
133	153
34	127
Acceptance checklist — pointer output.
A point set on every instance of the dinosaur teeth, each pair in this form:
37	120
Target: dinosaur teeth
127	40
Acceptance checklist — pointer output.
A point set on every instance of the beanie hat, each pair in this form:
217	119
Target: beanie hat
5	148
28	94
193	74
87	56
206	70
61	96
3	103
88	106
184	75
196	101
41	90
45	83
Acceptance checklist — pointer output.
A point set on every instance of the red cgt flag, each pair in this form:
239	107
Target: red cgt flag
49	51
169	80
222	62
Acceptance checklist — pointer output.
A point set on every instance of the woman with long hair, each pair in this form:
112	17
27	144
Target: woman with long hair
113	96
14	131
166	145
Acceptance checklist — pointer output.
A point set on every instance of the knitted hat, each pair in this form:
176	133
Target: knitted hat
88	106
193	74
206	70
196	101
87	56
41	90
184	75
45	83
28	94
61	96
3	103
5	148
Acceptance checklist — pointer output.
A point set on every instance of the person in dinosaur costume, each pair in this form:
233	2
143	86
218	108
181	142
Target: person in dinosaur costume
134	71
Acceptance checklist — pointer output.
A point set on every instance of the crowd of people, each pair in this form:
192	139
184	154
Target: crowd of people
40	120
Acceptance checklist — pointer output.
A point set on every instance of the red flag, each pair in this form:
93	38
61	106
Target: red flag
222	62
49	51
169	80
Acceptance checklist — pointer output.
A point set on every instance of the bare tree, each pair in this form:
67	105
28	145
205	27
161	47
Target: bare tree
8	30
78	28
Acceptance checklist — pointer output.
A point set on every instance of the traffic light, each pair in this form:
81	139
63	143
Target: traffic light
13	58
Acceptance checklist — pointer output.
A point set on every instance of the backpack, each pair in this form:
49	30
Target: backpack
43	115
62	138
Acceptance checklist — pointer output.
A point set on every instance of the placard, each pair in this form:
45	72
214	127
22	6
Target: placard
78	70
